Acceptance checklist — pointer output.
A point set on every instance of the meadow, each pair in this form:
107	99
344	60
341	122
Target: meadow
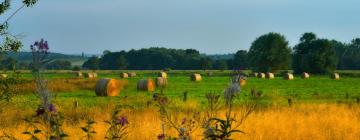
315	108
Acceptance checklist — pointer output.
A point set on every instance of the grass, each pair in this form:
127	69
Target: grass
323	108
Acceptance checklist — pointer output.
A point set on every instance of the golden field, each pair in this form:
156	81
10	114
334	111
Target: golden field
300	122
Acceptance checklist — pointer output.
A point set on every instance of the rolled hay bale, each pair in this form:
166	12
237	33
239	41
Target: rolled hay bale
195	77
261	75
146	85
3	76
161	82
95	75
132	74
305	75
288	76
242	82
124	75
107	87
162	74
79	74
269	75
89	75
254	74
335	76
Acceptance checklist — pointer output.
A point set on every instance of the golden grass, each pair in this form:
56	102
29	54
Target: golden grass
303	122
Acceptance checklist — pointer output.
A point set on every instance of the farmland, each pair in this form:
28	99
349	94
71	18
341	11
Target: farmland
315	102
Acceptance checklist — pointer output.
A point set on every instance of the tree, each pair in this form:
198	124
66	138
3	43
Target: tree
269	52
241	60
221	65
92	63
206	63
10	42
314	55
121	62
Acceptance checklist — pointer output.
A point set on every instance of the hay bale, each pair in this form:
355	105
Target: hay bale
162	74
124	75
132	74
107	87
335	76
195	77
269	75
254	74
161	82
288	76
146	85
305	75
242	82
95	75
261	75
89	75
79	74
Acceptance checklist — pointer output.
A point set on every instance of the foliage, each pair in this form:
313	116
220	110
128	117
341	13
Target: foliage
118	126
314	55
269	52
92	63
241	60
89	130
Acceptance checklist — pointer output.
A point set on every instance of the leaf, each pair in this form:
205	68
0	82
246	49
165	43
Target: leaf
26	133
84	129
64	135
37	131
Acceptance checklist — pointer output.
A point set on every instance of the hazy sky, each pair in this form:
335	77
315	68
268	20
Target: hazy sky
211	26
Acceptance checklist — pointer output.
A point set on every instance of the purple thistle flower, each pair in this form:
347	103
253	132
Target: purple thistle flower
52	108
121	121
161	137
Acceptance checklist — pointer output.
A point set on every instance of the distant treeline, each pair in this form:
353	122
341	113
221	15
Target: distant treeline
269	52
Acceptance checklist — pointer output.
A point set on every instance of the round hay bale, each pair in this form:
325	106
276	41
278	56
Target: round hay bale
269	75
335	76
146	85
305	75
132	74
242	82
89	75
254	74
79	74
95	75
124	75
3	76
161	82
261	75
195	77
107	87
288	76
162	74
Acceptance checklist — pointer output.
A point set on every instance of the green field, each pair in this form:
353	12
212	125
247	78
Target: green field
319	88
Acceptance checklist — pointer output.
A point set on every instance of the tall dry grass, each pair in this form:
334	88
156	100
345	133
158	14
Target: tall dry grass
299	122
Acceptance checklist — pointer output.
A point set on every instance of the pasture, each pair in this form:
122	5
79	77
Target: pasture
318	104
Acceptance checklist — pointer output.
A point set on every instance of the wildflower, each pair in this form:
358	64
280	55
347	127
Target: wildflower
121	121
52	108
161	137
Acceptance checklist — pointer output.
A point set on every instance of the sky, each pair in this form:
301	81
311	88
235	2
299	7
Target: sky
210	26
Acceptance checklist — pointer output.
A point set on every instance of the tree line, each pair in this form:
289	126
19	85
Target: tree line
269	52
